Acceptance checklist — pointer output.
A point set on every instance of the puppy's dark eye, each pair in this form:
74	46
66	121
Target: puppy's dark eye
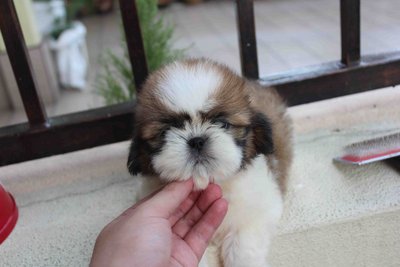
223	123
177	124
226	125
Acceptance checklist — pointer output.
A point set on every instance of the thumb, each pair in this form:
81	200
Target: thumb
168	199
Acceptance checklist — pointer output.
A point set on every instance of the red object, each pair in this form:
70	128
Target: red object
371	158
372	150
8	214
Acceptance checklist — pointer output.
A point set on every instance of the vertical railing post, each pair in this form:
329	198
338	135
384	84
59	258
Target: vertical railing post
350	31
20	63
134	40
247	38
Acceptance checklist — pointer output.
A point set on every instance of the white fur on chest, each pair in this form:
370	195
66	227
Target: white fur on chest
255	207
253	196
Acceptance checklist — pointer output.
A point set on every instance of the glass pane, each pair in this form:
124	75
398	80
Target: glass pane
380	26
290	34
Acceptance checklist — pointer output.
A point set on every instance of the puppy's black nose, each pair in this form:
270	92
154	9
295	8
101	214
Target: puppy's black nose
197	143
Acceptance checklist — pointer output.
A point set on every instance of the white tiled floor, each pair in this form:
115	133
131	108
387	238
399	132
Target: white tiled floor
290	34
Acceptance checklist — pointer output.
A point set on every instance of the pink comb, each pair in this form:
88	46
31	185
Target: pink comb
372	150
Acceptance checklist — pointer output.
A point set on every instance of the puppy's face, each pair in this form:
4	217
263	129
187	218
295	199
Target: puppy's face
193	119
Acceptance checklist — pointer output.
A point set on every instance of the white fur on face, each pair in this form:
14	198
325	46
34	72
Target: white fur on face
189	89
220	158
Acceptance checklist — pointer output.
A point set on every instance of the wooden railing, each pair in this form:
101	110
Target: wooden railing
43	136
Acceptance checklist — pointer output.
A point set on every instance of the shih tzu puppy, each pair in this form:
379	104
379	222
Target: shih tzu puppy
198	119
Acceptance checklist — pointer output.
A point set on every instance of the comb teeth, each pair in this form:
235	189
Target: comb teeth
372	150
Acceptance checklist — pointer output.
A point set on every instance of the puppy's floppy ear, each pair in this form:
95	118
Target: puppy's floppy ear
133	158
262	131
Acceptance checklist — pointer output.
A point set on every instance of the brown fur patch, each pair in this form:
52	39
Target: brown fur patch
268	102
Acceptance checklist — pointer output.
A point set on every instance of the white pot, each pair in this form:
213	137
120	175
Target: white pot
71	56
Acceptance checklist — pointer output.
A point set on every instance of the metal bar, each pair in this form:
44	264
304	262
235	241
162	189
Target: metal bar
134	40
67	133
20	63
247	38
350	31
333	79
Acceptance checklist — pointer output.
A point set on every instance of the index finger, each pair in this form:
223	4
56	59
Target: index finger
165	202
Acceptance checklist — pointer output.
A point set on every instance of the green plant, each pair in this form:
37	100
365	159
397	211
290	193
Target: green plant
116	82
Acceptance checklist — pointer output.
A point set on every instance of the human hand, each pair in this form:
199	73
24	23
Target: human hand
171	227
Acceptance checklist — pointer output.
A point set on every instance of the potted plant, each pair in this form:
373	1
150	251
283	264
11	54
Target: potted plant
116	82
